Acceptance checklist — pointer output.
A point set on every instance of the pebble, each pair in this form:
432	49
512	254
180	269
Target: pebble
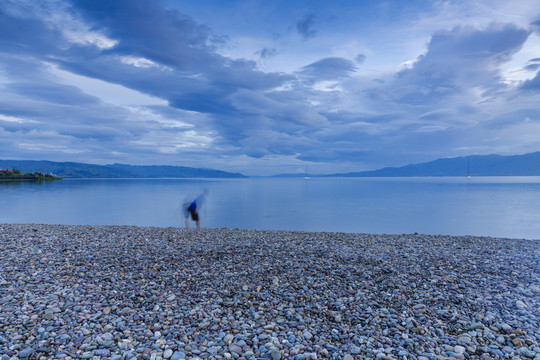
178	355
275	354
126	292
167	353
25	353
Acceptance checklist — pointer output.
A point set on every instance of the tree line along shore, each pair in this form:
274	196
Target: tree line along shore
16	175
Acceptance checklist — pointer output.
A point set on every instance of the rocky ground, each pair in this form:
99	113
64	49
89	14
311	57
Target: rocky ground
118	292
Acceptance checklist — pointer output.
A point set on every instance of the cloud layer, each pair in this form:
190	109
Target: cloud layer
142	82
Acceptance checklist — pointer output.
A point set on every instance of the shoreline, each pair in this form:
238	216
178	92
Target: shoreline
125	292
181	227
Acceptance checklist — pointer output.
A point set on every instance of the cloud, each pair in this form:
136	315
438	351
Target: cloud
532	67
532	84
333	68
305	27
536	23
50	92
460	59
360	58
188	101
176	60
452	95
534	64
267	53
194	76
24	36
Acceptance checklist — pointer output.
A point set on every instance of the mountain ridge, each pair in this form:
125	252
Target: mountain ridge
474	165
84	170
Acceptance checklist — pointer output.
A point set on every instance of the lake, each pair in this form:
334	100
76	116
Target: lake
490	206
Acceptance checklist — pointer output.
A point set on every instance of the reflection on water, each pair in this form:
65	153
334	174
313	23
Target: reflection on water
492	206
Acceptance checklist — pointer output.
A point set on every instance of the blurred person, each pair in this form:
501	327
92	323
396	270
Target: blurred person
194	207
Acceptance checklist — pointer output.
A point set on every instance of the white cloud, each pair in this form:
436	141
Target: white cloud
138	62
85	37
14	119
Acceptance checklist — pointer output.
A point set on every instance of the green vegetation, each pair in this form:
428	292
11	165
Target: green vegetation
16	175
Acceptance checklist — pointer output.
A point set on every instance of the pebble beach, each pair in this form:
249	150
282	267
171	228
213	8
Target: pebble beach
126	292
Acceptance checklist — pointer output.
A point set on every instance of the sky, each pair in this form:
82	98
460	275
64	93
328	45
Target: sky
266	87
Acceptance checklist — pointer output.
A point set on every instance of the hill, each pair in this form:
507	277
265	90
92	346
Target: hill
82	170
477	165
161	171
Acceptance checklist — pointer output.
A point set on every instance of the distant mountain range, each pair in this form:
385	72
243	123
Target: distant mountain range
81	170
477	165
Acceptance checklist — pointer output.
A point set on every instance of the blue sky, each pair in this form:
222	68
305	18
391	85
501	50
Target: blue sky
266	87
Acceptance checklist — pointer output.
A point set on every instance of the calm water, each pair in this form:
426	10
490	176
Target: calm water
501	207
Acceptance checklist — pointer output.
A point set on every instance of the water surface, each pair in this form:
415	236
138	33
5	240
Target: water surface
491	206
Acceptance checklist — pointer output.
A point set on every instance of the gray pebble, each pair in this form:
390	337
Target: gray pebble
25	353
136	292
178	355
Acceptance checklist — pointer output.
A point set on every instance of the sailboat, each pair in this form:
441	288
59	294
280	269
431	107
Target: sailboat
469	168
306	176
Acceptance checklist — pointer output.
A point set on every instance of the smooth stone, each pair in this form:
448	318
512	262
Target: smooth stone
235	349
527	353
275	354
26	352
178	355
476	326
228	338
